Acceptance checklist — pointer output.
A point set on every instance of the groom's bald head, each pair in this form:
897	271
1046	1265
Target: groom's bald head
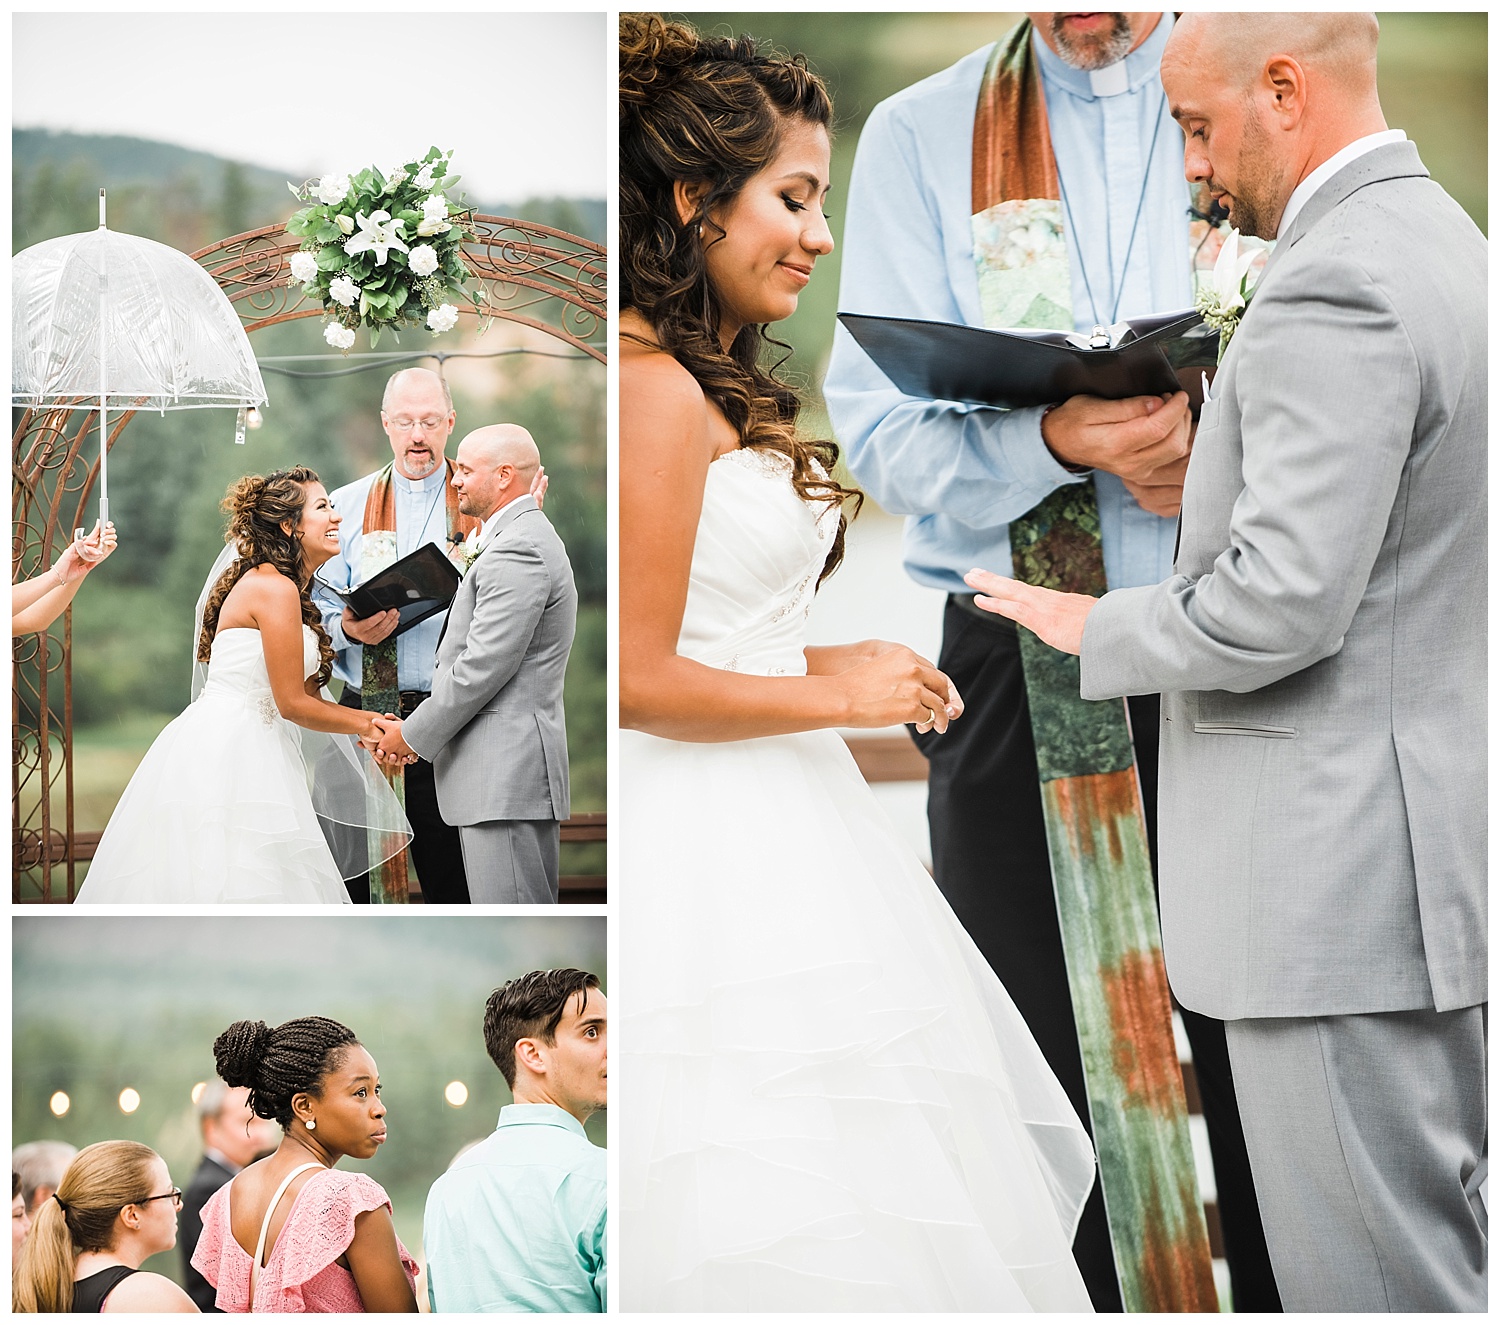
494	465
1264	99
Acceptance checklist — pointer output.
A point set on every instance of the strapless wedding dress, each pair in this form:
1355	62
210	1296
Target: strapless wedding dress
219	809
829	1101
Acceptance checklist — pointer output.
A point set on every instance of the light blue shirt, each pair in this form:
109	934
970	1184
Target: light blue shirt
421	517
517	1222
959	473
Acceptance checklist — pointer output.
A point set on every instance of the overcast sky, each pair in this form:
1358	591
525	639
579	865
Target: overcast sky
523	99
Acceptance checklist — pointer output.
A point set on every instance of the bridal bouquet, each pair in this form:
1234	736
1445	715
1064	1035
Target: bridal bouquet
383	248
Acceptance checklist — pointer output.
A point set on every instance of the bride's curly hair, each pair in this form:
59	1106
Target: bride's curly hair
712	110
257	508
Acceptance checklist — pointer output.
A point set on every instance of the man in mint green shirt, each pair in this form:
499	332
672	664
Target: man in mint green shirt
517	1221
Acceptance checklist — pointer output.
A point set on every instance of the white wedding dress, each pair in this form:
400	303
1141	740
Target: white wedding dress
829	1102
219	809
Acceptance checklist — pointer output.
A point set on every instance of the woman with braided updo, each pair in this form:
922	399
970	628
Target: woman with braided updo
291	1232
219	809
836	1105
114	1207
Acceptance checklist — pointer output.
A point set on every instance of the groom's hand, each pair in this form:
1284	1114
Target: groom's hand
370	629
1134	438
1057	618
393	748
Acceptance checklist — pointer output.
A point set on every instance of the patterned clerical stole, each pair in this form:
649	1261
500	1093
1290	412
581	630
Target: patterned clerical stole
380	691
1096	833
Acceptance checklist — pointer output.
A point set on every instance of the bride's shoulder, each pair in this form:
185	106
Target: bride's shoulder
268	586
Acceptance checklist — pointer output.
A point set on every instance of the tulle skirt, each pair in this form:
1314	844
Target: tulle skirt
833	1103
218	811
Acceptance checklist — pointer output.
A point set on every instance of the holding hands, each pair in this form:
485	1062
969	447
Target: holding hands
385	742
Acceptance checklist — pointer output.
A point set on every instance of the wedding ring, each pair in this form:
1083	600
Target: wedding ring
931	718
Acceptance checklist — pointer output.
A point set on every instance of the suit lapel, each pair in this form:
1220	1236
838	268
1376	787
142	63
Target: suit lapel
507	517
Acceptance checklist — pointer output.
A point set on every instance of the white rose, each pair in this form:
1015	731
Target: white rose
423	260
434	216
344	291
443	318
304	266
344	223
341	338
332	189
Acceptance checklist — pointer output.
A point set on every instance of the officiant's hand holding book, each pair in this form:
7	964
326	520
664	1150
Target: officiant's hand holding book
1114	396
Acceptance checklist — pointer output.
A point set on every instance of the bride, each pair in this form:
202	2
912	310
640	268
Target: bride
834	1104
223	807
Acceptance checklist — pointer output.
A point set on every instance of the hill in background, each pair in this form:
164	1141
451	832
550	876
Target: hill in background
186	198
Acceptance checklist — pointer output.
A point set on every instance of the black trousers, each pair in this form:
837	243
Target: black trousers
989	855
435	850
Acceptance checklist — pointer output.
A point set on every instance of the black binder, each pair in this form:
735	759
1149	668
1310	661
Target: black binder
420	585
1012	369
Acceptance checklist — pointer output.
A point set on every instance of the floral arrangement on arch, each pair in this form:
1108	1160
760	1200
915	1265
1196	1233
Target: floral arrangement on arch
383	248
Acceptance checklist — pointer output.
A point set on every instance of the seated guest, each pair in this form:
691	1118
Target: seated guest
114	1207
20	1220
517	1222
232	1138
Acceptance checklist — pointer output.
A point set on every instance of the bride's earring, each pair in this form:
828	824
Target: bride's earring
312	1125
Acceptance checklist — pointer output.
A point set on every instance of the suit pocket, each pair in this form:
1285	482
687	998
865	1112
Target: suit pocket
1208	414
1261	729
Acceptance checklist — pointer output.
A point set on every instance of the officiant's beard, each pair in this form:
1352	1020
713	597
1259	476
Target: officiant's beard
1096	50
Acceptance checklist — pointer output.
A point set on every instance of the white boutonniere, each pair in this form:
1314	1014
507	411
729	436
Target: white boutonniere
1224	299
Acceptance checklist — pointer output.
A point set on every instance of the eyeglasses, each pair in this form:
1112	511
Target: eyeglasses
428	425
175	1196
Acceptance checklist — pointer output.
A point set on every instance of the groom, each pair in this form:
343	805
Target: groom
494	728
1322	654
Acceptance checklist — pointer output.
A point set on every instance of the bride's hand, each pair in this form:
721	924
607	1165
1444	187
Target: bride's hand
897	685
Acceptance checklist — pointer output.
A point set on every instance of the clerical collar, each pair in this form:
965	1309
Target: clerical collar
1141	66
420	485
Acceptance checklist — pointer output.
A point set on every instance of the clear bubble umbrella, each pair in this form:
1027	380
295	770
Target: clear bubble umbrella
129	321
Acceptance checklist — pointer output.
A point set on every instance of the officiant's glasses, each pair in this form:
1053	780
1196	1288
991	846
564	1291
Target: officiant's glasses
427	425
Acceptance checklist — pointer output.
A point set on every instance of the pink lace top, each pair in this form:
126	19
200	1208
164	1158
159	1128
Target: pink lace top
301	1272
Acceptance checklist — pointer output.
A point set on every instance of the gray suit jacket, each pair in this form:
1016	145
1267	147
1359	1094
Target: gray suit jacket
1321	644
494	726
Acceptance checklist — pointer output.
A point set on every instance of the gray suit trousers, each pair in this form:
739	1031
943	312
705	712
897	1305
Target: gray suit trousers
510	861
1368	1138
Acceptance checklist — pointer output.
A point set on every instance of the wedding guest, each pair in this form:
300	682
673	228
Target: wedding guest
1063	117
517	1221
232	1138
114	1207
323	1239
20	1220
36	603
41	1165
1323	656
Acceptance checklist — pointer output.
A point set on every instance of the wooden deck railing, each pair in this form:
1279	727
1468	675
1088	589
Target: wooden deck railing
578	889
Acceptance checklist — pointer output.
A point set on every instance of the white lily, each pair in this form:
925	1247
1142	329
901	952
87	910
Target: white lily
378	234
434	216
344	223
1229	273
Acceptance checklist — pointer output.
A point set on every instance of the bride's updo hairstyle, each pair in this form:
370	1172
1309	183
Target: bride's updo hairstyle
100	1181
278	1063
711	110
257	508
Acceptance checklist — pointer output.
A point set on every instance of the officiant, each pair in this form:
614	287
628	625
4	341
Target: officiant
1063	206
386	516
